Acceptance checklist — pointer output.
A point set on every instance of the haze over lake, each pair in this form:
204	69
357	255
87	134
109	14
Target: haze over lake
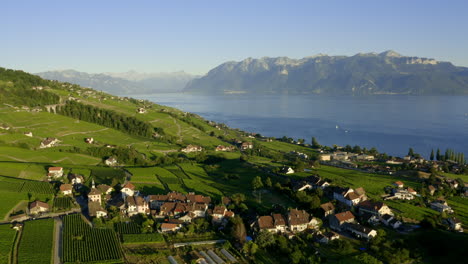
392	124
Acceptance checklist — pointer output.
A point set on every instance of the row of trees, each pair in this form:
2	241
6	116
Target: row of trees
109	118
449	154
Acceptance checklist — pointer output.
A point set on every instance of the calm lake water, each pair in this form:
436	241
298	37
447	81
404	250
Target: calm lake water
392	124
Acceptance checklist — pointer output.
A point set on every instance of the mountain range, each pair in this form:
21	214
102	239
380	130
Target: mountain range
362	74
123	83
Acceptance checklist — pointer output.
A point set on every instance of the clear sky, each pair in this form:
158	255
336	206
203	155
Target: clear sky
195	36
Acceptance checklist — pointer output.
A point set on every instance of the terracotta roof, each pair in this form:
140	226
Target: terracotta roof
226	200
66	187
298	217
140	201
38	204
95	191
398	183
95	207
344	216
167	207
55	169
159	197
129	185
229	214
265	222
432	188
411	190
168	226
327	206
372	206
360	191
279	219
352	196
219	210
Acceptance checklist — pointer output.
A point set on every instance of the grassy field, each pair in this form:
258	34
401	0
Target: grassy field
142	238
460	206
464	177
7	238
8	200
408	210
14	154
37	238
374	184
23	170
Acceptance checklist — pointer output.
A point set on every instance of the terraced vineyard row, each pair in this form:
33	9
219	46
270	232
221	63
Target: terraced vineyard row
82	243
127	228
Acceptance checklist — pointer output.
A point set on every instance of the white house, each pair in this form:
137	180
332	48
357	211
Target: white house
111	161
128	189
55	172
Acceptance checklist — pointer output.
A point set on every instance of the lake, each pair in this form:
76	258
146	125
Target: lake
392	124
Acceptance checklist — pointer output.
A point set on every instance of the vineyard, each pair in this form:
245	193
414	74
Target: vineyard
37	237
62	203
7	237
26	186
82	243
127	228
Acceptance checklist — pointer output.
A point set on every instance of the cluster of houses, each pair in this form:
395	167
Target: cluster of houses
225	148
192	148
401	193
309	183
295	221
178	208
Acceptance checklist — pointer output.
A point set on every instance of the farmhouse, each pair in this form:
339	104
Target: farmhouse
327	237
111	161
361	231
141	110
49	142
224	148
338	220
191	148
246	145
325	157
55	172
89	140
298	220
128	189
75	178
402	194
349	196
390	220
66	189
287	170
398	184
4	127
374	208
96	210
455	224
169	227
37	207
266	223
441	206
328	208
28	134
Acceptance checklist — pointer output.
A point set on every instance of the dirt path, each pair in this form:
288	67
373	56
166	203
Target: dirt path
58	240
81	133
179	129
13	158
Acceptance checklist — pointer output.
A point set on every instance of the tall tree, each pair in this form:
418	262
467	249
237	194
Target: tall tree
315	143
438	157
432	155
411	152
238	231
257	183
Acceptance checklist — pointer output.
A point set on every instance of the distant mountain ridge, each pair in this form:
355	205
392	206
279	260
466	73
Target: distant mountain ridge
362	74
123	83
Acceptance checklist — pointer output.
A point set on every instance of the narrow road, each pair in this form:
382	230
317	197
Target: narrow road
58	240
197	243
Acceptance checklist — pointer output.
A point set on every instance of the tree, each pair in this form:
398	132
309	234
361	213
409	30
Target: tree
314	202
265	239
357	149
315	143
432	155
147	226
268	182
257	183
438	157
411	152
250	248
238	231
238	198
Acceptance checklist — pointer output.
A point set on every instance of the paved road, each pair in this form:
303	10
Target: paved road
58	240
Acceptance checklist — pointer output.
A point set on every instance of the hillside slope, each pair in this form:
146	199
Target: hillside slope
361	74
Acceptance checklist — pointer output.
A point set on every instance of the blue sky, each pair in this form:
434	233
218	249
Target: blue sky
195	36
